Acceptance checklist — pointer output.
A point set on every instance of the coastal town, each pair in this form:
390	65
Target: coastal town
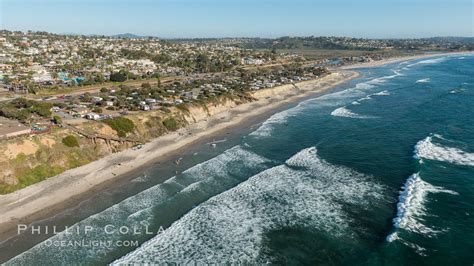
69	90
236	132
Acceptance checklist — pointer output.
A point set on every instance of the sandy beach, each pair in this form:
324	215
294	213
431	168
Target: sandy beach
46	198
58	193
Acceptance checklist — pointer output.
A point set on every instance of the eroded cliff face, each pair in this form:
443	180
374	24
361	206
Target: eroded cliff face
200	113
274	92
28	160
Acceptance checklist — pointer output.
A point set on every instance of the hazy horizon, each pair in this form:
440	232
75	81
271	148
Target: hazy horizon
245	18
225	37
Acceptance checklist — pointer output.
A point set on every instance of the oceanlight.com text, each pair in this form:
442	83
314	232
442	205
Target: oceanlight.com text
91	243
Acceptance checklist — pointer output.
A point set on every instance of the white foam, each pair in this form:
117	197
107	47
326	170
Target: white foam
382	93
385	78
456	91
411	211
344	112
432	61
331	99
418	249
266	129
305	192
366	98
137	211
426	80
140	179
426	149
392	237
410	207
428	61
364	86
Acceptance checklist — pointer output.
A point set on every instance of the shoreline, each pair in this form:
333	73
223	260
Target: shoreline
66	190
400	59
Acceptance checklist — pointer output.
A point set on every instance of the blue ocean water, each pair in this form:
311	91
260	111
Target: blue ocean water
378	172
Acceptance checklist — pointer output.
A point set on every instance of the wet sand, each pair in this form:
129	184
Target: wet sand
56	194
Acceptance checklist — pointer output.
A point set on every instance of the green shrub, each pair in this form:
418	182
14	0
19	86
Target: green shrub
118	77
97	110
170	124
57	119
32	176
121	125
71	141
42	109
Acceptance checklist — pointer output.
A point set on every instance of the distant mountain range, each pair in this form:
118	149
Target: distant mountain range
439	39
129	36
118	36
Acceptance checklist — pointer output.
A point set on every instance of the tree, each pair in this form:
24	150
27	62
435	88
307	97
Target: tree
202	62
42	109
118	77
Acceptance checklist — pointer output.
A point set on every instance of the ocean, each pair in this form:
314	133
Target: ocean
378	172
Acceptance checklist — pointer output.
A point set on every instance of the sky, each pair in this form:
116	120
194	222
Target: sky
243	18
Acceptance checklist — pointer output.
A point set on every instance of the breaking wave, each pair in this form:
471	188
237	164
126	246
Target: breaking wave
427	149
306	191
428	61
199	182
331	99
426	80
266	129
370	97
344	112
456	91
383	79
410	207
411	211
382	93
